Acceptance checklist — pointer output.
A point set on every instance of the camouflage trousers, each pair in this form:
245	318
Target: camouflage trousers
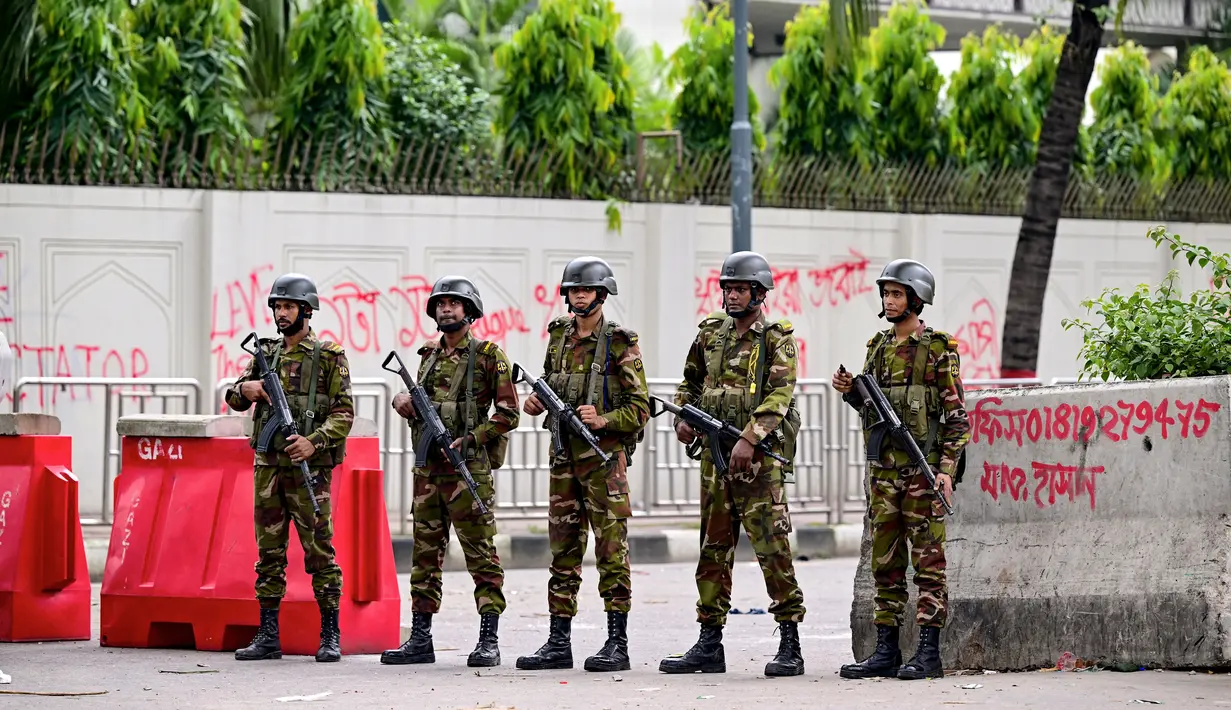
757	499
902	507
280	497
442	502
580	493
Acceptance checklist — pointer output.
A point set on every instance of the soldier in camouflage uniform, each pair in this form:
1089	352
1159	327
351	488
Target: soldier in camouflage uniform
741	369
316	380
594	365
465	378
918	369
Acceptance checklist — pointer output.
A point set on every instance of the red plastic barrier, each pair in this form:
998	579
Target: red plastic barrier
44	581
180	565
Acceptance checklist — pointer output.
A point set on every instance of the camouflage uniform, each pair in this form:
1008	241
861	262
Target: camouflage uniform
583	489
720	378
920	377
441	495
279	491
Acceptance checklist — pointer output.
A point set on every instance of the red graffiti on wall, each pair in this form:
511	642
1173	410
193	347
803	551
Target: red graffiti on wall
834	285
4	293
978	343
549	298
1070	421
353	313
1055	481
74	361
842	282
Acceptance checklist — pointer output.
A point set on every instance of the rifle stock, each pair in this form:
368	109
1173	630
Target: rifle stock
889	424
281	419
434	431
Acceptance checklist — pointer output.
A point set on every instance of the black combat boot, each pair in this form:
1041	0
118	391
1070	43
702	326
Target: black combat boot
418	648
557	653
706	655
790	659
613	656
331	637
884	661
926	663
266	645
487	652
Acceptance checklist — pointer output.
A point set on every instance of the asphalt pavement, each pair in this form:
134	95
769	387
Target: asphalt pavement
662	623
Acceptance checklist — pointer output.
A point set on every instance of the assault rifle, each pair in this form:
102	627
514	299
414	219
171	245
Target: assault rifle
889	424
715	430
434	431
282	421
567	423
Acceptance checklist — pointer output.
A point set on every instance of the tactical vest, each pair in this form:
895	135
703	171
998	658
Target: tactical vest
917	404
578	388
308	408
459	411
735	406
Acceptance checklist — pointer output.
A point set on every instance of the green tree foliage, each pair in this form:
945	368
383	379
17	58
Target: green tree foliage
990	121
267	62
1042	51
704	67
1126	104
83	75
826	108
430	99
193	74
566	92
468	31
335	95
1196	116
1150	335
905	85
648	70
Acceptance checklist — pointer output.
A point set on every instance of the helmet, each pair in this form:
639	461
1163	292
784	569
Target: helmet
294	287
458	287
911	274
588	271
747	266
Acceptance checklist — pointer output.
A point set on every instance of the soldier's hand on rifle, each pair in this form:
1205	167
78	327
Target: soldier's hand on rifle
533	406
403	405
254	390
685	433
842	381
946	485
299	448
741	456
590	416
459	442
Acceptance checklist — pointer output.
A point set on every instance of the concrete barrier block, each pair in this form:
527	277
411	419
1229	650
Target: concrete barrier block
187	426
29	424
1090	519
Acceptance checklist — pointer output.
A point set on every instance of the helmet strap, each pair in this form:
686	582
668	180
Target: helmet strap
297	324
758	297
598	301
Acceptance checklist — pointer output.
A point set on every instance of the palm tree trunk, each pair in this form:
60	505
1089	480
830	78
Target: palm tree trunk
1048	185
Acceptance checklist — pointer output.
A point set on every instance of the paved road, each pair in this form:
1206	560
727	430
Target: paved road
661	623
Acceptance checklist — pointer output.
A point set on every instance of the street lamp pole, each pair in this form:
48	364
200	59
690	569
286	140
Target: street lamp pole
741	139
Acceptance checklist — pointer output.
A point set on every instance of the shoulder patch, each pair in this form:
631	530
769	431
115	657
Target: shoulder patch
783	325
559	322
489	348
344	371
627	333
332	348
502	366
637	365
